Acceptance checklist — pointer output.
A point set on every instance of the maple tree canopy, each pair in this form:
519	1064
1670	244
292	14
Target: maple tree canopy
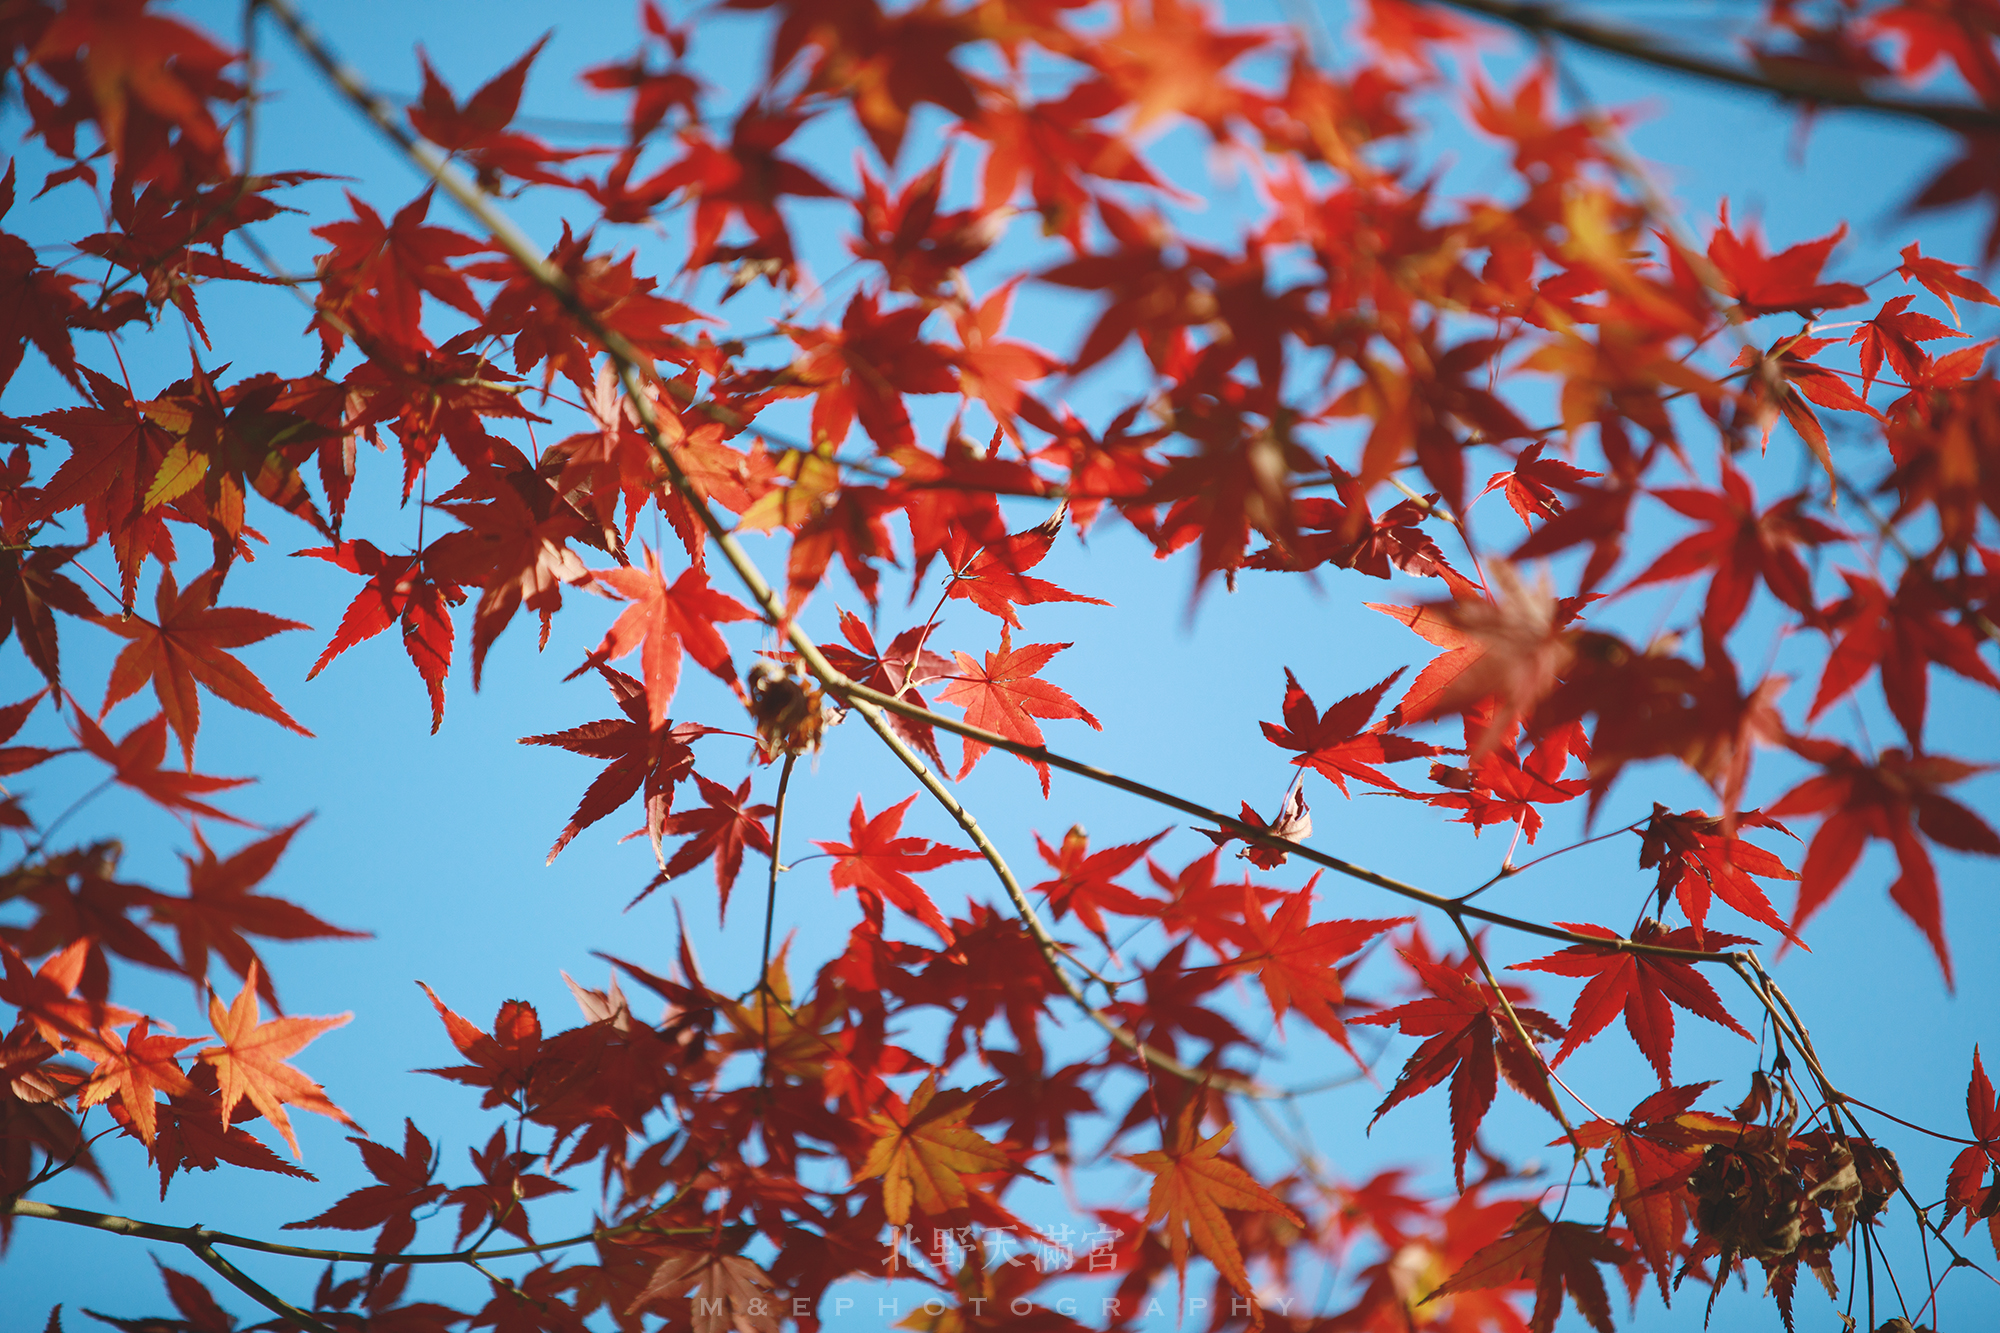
840	400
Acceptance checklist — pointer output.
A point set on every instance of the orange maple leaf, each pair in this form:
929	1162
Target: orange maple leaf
133	1070
1191	1187
925	1151
251	1060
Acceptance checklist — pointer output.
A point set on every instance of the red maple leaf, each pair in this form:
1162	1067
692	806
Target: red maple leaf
543	328
991	369
400	589
137	74
1239	480
1499	787
850	525
1789	280
1389	1301
20	758
45	996
135	761
1780	380
187	646
432	396
1083	882
877	864
898	669
1005	696
192	1299
864	369
918	248
1963	1182
1530	486
654	92
666	619
1740	545
1644	986
1334	743
926	1155
1350	539
1892	799
1945	281
1555	1256
515	545
404	1185
953	499
1647	1161
477	131
1697	855
1192	1185
1900	636
640	754
743	180
1297	960
1114	467
116	453
1056	145
502	1061
721	829
374	279
220	910
995	579
1510	651
194	1135
32	590
133	1069
502	1190
1469	1039
614	460
1899	336
729	1293
1200	906
1597	515
36	302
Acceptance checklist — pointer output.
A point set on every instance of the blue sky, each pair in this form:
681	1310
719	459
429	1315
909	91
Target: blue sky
436	843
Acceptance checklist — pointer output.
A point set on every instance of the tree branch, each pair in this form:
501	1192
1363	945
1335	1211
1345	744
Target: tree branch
125	1226
1544	20
198	1241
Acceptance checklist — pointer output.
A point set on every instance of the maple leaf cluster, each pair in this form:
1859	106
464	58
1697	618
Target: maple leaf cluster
1309	396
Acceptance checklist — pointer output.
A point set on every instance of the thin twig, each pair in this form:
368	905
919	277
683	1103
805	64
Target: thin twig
770	911
1508	871
1527	1041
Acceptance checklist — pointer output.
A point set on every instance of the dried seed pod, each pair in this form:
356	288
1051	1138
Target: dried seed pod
791	710
1748	1202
